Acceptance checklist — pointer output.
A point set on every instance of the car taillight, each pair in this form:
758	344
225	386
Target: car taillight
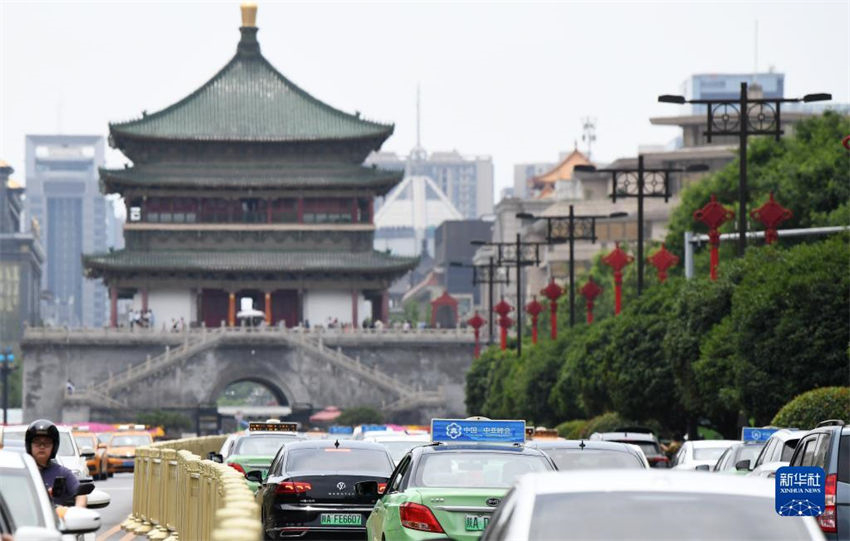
382	487
418	517
237	467
827	520
292	487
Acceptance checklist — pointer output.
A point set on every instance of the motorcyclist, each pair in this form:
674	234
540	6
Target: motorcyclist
42	442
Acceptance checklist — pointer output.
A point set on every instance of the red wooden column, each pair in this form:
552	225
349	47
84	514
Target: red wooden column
231	309
354	315
268	308
385	306
113	306
144	299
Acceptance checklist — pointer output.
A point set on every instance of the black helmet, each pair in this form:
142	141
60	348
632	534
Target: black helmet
42	427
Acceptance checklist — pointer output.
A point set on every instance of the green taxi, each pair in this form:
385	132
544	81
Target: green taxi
451	487
256	448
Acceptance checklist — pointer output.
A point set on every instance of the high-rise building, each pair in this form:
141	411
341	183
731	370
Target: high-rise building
21	258
466	180
64	197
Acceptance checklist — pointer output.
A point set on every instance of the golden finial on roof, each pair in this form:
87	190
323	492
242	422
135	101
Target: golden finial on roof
249	14
13	184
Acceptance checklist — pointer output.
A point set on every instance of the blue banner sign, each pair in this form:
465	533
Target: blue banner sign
338	429
751	433
800	491
373	428
465	430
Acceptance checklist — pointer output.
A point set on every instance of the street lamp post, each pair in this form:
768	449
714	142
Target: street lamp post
518	254
743	117
485	274
641	182
570	228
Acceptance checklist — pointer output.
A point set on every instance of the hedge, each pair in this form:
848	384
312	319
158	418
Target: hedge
808	409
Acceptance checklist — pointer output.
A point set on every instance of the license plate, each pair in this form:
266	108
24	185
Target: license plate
340	519
476	523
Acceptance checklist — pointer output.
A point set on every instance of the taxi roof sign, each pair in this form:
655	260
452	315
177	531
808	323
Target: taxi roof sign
276	426
756	434
373	428
481	431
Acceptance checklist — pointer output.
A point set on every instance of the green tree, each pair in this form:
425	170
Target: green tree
360	415
808	409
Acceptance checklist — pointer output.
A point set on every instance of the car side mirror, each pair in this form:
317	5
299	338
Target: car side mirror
85	488
703	467
366	489
215	457
79	521
742	465
255	476
98	499
87	452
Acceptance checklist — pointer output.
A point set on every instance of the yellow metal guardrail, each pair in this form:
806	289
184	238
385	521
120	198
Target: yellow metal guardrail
179	495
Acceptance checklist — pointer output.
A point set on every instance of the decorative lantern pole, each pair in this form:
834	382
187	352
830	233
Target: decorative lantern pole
503	308
713	214
771	214
552	292
590	291
476	322
663	260
534	308
617	260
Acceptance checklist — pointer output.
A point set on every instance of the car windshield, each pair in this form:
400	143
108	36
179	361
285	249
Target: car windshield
576	459
476	469
66	446
343	459
708	453
86	441
749	452
130	441
649	448
399	448
262	445
104	437
19	493
660	515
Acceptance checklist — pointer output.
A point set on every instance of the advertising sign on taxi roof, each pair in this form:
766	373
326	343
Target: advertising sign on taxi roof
339	429
751	433
482	431
273	427
373	428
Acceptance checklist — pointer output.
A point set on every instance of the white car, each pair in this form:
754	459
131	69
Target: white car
67	455
642	505
777	452
700	454
399	443
26	505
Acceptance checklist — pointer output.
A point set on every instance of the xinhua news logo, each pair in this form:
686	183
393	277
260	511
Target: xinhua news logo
800	491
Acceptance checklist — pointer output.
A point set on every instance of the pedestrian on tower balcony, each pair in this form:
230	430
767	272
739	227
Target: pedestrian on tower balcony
131	318
379	325
182	324
149	317
307	324
70	387
174	324
405	326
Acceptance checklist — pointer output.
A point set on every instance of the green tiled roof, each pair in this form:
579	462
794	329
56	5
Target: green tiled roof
248	175
249	100
247	261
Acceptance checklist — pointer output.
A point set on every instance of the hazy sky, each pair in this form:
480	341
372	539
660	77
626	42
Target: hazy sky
510	80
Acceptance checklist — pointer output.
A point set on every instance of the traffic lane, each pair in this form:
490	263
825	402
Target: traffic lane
120	490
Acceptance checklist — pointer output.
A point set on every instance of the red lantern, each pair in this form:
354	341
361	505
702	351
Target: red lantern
617	260
476	322
713	214
534	308
503	309
771	214
552	292
663	260
590	291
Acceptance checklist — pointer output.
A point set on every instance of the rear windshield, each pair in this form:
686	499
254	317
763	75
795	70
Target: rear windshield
708	453
476	470
85	441
844	459
66	447
130	441
649	448
400	448
19	494
576	459
788	450
344	459
262	445
659	515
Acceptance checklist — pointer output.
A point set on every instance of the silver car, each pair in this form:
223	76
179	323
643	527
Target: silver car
642	504
591	455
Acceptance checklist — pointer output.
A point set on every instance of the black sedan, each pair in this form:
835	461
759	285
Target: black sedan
310	488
